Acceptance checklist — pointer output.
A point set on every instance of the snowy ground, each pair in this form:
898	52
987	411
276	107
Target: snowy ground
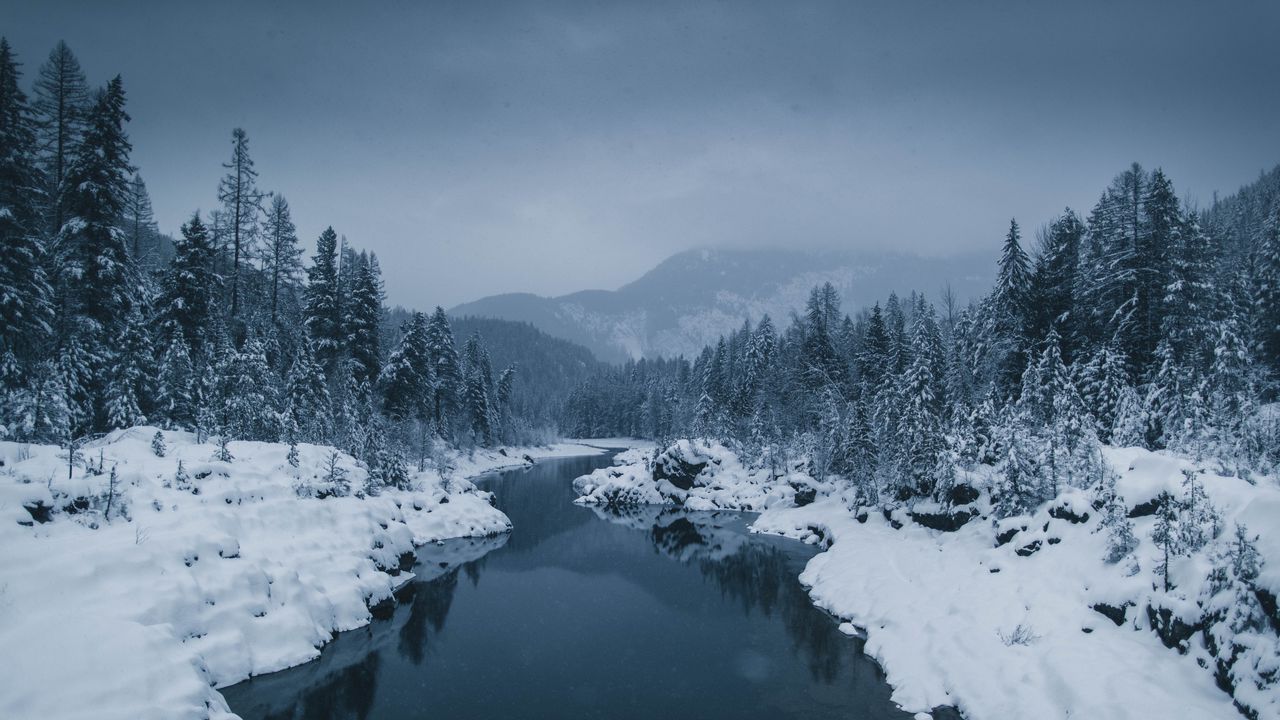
238	570
955	619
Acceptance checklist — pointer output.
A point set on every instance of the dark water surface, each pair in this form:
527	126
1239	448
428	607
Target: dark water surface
580	613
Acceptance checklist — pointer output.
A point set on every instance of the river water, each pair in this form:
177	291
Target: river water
582	613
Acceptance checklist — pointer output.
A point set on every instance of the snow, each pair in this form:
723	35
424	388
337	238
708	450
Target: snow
723	483
191	586
957	620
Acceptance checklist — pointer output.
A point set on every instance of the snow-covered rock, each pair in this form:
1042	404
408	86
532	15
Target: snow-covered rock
696	474
231	569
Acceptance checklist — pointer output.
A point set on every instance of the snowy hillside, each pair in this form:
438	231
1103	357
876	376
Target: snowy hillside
1026	617
156	572
691	299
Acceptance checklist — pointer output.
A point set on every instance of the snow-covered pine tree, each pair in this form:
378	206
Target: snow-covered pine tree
1238	633
1053	280
1102	383
191	285
322	314
445	371
479	378
130	375
1009	308
176	391
282	259
920	423
25	294
308	403
406	378
362	319
97	276
1164	401
249	398
61	106
139	222
1166	537
242	207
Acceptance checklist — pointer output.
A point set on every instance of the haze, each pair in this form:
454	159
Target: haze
493	147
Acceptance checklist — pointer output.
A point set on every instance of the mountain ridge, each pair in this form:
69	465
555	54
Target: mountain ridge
691	298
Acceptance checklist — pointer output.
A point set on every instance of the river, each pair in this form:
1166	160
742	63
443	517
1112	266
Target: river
582	613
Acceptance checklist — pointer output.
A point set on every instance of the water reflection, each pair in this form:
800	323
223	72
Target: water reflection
584	612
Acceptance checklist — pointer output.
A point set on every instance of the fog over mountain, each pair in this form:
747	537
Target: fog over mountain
692	298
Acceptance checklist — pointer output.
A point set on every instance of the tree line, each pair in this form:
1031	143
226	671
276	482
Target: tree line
1148	323
106	323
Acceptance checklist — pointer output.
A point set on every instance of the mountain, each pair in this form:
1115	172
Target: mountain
692	298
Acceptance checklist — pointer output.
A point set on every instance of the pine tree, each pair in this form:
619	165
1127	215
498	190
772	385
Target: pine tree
1165	536
478	379
130	375
25	294
1121	542
283	257
1053	281
445	370
176	392
362	319
322	315
1130	426
920	422
242	206
98	276
191	285
309	405
139	222
1164	402
157	444
1009	309
248	397
1189	301
1020	488
1102	383
873	361
62	105
407	377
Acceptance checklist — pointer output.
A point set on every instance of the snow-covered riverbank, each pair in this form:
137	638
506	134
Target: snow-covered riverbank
1009	629
199	580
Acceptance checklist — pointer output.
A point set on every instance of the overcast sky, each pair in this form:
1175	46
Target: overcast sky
482	147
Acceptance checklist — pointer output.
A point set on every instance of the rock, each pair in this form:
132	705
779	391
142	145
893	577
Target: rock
40	512
1149	507
1173	632
944	521
893	522
384	608
1004	537
676	469
805	494
528	459
1062	512
962	494
1111	612
1029	549
1268	602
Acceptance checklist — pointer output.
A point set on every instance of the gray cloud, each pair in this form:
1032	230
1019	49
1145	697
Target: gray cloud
481	147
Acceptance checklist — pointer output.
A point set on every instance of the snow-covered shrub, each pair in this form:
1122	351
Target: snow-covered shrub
157	444
1238	633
